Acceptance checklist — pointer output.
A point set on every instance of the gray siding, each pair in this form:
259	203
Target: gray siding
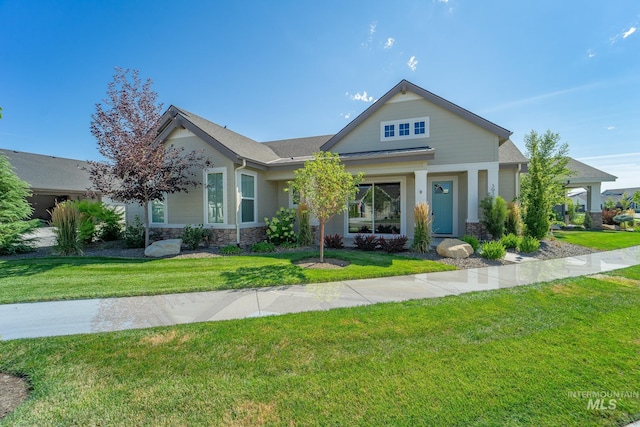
454	139
507	183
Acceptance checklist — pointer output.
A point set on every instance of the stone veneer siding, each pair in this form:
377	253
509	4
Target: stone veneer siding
219	236
596	217
474	229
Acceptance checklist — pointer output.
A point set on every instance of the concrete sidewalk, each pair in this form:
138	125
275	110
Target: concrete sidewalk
112	314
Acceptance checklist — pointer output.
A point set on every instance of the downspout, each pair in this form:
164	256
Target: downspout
518	181
235	180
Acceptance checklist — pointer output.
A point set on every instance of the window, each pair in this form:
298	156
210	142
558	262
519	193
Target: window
215	203
414	128
248	197
158	211
376	210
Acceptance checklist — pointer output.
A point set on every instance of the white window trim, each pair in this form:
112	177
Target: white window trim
255	195
166	212
403	204
225	208
412	129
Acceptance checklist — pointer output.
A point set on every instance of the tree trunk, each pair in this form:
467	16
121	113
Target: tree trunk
321	240
146	224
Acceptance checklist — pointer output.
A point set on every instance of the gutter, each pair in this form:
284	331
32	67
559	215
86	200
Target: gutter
235	180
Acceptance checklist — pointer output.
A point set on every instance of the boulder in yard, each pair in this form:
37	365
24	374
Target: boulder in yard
163	248
454	248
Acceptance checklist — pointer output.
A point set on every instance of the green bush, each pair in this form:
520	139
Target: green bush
192	236
305	236
288	245
280	227
133	235
66	219
110	227
529	244
262	247
494	215
493	250
473	241
510	241
98	221
231	250
422	228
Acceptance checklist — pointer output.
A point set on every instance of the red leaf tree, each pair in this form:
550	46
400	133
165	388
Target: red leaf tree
137	167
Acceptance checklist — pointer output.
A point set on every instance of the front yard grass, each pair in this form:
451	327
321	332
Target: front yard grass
520	356
60	278
603	240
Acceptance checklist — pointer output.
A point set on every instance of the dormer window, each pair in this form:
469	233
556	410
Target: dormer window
407	129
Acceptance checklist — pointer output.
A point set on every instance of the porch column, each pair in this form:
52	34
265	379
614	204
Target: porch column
421	186
492	180
594	204
472	196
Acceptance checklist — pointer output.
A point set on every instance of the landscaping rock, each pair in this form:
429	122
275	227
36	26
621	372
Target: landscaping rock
454	248
163	248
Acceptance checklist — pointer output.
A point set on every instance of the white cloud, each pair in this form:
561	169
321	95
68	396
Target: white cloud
389	43
591	53
412	63
611	127
345	115
361	97
629	32
443	1
372	28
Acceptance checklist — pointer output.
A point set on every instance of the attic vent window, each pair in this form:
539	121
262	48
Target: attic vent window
414	128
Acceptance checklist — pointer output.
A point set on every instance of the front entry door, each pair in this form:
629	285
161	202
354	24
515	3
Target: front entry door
442	207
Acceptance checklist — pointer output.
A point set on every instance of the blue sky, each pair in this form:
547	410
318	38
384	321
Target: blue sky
284	69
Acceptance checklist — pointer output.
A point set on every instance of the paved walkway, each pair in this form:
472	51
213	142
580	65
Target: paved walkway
112	314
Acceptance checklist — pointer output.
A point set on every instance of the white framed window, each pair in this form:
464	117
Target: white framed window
215	204
248	193
158	211
417	127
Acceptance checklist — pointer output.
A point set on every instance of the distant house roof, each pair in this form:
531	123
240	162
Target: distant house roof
618	192
49	173
584	173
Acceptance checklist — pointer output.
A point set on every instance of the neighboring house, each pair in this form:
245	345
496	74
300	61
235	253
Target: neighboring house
412	145
616	195
590	179
579	198
56	179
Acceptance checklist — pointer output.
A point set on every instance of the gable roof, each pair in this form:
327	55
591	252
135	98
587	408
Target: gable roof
584	173
404	86
508	153
231	144
49	173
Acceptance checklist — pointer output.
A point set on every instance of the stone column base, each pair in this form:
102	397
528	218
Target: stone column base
596	217
474	229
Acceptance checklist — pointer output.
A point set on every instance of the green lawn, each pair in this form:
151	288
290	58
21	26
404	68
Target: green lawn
58	278
509	357
603	240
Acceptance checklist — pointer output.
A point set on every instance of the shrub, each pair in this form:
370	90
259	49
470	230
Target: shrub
422	228
98	221
263	247
494	212
529	244
133	234
288	245
305	236
280	227
192	236
473	241
493	250
513	224
231	250
333	241
110	227
608	215
393	244
510	241
66	219
366	242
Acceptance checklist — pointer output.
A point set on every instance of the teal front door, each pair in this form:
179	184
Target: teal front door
442	207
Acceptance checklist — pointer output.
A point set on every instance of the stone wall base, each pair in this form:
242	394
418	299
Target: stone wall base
474	229
219	236
596	217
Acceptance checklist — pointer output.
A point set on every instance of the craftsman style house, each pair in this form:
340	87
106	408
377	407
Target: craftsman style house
412	145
